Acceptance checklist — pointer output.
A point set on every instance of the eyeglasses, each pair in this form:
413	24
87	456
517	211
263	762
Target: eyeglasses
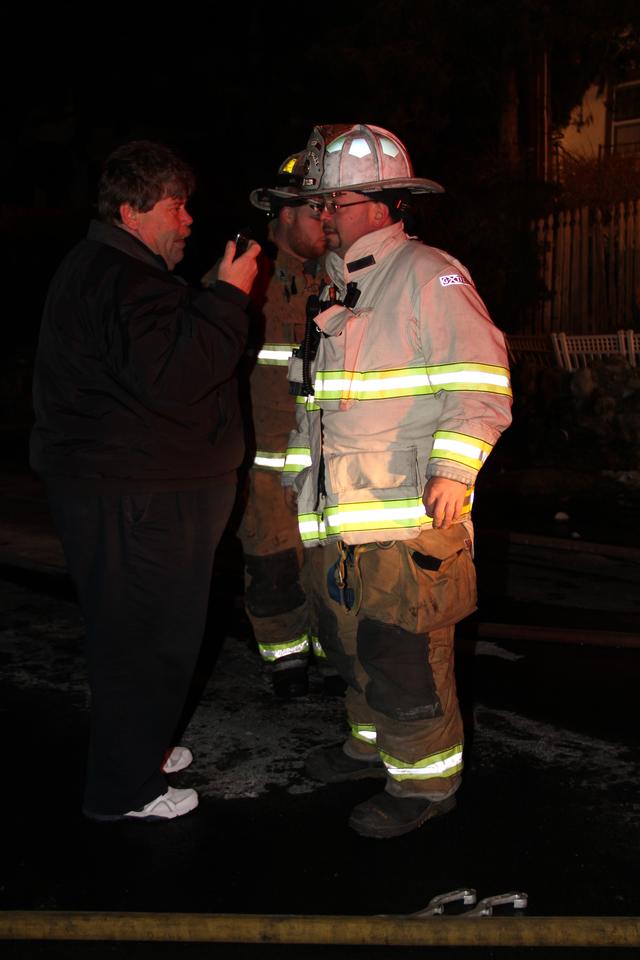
331	206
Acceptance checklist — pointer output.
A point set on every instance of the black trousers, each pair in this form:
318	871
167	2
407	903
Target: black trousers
142	567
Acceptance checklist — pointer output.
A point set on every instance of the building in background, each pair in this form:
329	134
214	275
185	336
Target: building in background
606	122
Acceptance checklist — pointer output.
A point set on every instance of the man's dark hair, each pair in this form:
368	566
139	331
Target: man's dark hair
397	202
141	173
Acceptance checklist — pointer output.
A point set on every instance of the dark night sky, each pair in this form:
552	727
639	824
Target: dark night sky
237	97
234	98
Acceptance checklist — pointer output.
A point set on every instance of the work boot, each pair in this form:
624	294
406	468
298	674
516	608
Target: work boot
333	765
289	684
384	816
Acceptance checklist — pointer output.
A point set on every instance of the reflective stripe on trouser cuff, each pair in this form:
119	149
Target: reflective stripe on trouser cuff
266	460
445	764
316	646
363	731
275	354
273	652
297	459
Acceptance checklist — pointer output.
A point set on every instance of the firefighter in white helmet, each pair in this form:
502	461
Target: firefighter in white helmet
278	573
411	379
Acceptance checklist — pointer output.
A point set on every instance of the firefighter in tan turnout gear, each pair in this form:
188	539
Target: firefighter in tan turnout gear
278	573
407	390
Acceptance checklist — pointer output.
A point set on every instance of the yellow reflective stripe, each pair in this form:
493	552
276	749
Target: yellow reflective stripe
444	764
309	402
316	646
339	385
382	384
265	460
363	731
311	527
460	448
276	354
471	376
369	515
276	651
410	381
297	458
372	515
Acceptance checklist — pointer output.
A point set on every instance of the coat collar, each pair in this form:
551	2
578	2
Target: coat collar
114	236
363	255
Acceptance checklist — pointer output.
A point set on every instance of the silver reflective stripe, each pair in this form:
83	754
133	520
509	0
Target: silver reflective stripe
470	376
411	381
276	651
364	731
276	354
445	764
355	385
368	515
460	448
398	515
269	461
297	459
311	527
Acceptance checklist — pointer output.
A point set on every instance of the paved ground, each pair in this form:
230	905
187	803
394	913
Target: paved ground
549	803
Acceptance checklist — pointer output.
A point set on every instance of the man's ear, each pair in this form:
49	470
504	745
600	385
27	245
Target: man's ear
287	215
129	217
381	213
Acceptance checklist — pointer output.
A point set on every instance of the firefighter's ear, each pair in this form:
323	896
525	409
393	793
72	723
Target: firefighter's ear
380	213
287	215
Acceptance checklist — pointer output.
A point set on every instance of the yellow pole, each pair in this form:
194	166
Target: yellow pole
372	931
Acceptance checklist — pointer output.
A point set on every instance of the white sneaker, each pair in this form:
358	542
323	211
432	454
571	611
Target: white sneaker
179	759
174	803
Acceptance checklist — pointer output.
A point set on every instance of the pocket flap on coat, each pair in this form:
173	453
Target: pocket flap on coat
373	470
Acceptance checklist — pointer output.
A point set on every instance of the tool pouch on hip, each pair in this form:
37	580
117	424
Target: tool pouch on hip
442	568
423	584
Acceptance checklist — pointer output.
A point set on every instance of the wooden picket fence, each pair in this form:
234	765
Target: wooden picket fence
589	270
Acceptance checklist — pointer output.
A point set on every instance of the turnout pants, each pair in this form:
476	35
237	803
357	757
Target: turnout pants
387	618
142	567
280	577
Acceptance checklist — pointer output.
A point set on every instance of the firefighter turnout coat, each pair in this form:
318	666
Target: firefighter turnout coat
277	576
409	382
412	382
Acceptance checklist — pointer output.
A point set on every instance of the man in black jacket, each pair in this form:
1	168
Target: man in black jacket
138	439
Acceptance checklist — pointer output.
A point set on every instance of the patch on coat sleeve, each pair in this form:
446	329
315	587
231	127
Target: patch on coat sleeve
453	278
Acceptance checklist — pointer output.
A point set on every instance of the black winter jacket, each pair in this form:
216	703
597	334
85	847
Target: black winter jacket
134	384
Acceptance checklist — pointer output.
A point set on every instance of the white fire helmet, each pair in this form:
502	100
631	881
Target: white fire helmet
288	183
356	157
